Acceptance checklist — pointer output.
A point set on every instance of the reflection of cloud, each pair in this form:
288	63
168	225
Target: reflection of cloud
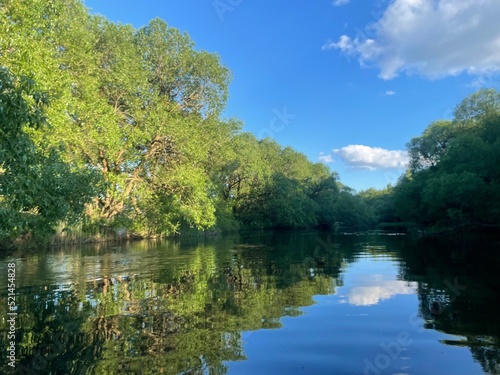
377	290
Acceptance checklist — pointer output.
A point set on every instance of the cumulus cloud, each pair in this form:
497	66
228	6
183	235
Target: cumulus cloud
366	157
434	38
390	93
338	3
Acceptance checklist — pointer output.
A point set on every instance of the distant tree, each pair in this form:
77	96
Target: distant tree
381	204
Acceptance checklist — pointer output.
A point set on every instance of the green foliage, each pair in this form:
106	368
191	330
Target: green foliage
454	176
380	203
325	194
139	106
37	189
477	106
142	108
351	210
425	151
269	186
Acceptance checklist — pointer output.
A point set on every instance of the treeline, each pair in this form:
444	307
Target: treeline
105	127
453	178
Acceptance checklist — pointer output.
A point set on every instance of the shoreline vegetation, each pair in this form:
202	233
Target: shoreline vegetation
108	132
76	237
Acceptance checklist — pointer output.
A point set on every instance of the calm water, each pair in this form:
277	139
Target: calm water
300	303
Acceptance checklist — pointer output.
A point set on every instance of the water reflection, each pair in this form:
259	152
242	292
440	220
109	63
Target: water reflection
459	292
377	290
281	303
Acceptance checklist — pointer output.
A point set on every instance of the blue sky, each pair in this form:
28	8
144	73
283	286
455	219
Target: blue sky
346	82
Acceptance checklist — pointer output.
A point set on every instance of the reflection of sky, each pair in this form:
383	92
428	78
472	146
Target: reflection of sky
359	325
368	282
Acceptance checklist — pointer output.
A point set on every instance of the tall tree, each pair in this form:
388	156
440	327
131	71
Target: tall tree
37	189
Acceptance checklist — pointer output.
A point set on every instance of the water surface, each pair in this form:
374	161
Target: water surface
266	303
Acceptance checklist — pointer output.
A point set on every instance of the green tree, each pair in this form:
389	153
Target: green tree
425	151
37	189
454	177
140	106
477	106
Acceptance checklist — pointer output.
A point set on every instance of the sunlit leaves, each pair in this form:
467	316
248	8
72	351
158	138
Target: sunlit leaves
142	108
37	189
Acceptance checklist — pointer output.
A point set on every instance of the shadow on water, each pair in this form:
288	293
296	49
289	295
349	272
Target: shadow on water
183	308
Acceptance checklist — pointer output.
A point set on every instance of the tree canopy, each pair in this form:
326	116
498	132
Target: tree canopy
454	176
114	127
139	110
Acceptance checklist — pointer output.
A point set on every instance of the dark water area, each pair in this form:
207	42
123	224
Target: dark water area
266	303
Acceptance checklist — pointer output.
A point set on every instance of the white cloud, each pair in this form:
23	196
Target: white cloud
434	38
325	158
390	93
345	44
338	3
359	156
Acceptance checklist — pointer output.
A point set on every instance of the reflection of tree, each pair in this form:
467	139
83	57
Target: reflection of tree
165	308
487	353
459	292
48	331
162	309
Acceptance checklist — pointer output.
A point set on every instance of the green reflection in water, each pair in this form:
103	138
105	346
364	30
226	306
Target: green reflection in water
172	308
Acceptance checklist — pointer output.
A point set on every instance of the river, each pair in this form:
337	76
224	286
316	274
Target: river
261	303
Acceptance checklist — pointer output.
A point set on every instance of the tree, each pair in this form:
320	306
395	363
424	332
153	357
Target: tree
381	203
454	177
425	151
37	189
142	109
140	106
477	106
325	193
